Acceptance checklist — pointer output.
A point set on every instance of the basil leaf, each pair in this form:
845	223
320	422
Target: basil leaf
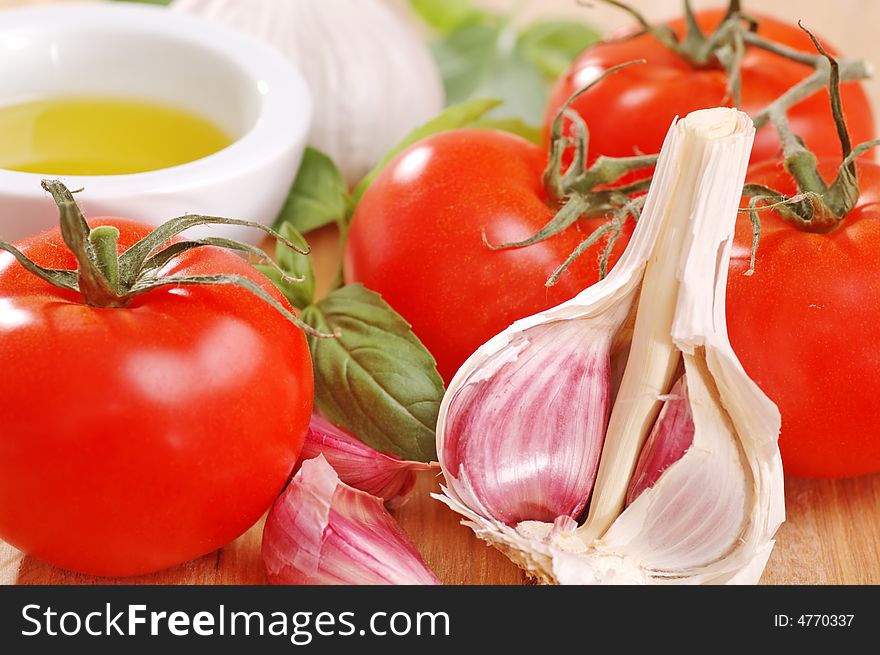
552	45
376	379
482	54
482	60
446	15
300	294
319	195
466	57
461	115
517	82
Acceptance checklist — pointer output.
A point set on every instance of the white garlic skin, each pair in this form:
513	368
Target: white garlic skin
371	76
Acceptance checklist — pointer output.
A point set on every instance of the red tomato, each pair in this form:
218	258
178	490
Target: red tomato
135	439
806	327
631	110
416	239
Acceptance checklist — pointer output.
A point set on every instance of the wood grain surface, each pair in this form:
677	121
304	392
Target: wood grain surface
832	532
832	536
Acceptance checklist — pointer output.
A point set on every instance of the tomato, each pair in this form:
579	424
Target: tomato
137	438
631	110
416	238
806	327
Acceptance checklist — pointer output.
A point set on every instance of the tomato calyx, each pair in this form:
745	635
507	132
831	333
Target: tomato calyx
726	45
700	50
107	279
578	191
818	206
563	183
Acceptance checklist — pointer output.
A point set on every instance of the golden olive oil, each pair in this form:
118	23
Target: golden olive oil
102	136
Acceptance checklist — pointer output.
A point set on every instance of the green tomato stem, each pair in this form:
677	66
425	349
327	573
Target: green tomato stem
94	286
105	247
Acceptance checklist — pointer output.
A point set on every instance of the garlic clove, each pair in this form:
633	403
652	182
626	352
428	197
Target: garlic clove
357	464
524	436
692	517
699	513
323	532
671	437
372	77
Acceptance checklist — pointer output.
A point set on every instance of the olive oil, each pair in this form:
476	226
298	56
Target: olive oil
102	136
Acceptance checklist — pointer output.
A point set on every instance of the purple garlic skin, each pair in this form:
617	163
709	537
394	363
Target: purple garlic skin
359	465
669	440
320	531
523	442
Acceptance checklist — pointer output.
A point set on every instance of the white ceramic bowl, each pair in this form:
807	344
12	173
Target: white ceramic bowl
151	53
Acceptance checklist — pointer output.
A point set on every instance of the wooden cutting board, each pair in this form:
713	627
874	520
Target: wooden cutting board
831	536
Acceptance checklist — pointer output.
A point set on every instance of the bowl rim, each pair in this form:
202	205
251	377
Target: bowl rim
282	122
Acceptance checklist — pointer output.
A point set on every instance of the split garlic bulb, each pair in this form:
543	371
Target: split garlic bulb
688	485
372	78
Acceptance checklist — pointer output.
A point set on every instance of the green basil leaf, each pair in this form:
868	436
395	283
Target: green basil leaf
467	57
319	195
552	45
484	56
446	15
519	84
376	378
300	294
454	117
476	61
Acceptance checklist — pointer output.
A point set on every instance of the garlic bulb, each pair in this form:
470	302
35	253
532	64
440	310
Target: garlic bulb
372	78
689	484
323	532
